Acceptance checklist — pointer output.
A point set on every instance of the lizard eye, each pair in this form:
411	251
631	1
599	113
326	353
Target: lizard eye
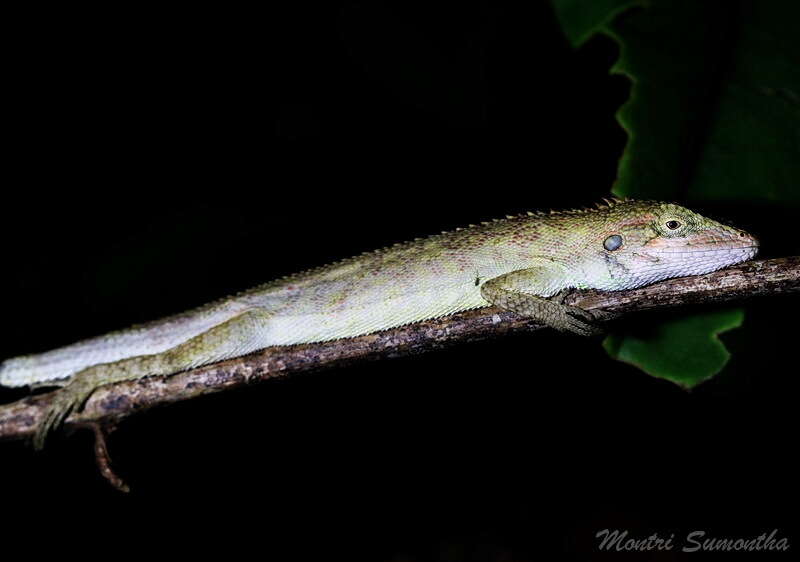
613	242
672	225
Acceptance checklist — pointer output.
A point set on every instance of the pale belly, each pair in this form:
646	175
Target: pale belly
288	328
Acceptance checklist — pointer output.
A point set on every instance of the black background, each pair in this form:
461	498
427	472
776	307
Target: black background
157	159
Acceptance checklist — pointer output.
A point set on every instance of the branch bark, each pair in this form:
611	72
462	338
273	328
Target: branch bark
112	403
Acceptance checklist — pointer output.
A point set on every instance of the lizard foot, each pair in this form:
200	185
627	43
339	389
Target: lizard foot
66	400
579	320
604	315
576	320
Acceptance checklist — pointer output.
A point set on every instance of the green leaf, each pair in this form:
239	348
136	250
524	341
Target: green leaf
581	19
714	114
714	111
685	350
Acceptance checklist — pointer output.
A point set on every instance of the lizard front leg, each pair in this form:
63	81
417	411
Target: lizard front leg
520	292
238	336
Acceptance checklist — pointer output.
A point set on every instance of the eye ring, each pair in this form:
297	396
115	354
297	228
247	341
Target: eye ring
613	242
673	224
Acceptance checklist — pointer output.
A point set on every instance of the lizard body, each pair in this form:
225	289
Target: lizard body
516	263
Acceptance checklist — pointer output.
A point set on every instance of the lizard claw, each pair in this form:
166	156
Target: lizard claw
581	325
65	401
580	321
604	315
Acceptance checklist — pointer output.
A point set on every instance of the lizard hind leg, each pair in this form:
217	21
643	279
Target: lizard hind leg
238	336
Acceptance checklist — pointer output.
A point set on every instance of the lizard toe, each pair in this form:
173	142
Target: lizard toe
581	322
65	401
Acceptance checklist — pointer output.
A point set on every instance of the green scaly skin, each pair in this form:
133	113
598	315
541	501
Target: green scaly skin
517	263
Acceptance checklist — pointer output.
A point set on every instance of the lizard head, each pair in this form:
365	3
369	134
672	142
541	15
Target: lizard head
642	242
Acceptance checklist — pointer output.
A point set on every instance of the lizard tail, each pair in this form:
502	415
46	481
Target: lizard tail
52	367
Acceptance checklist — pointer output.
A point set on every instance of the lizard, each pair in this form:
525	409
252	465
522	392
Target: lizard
523	263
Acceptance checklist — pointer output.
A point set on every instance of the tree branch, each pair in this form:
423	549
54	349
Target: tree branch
111	403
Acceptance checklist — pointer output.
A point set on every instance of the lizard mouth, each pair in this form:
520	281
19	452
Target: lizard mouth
681	261
707	250
656	257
